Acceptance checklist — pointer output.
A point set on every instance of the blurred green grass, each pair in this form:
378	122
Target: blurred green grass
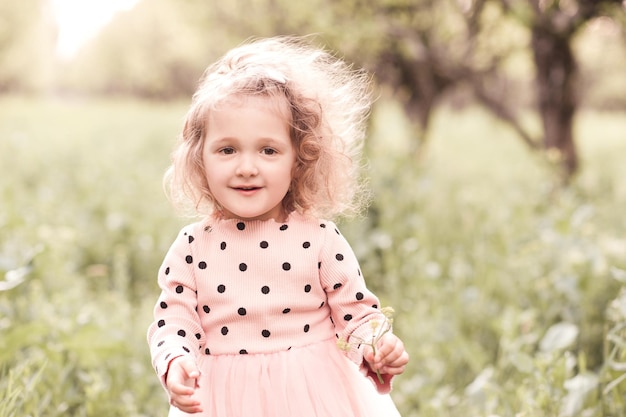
473	244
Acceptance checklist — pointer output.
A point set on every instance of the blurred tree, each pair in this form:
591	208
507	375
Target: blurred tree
553	25
419	51
400	42
26	46
422	49
150	52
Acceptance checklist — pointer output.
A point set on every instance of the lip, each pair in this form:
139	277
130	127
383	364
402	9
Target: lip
246	189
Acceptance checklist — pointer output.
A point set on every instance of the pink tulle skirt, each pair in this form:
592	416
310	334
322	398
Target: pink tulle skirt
310	381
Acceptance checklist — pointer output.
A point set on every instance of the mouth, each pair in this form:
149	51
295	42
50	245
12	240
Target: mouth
246	188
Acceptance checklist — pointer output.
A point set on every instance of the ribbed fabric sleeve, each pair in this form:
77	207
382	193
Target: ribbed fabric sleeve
352	305
177	330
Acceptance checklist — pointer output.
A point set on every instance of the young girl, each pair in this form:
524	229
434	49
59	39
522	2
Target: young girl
256	295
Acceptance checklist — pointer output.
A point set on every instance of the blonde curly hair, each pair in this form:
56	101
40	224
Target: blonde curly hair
329	103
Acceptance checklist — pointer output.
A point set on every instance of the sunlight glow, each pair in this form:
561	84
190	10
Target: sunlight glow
80	20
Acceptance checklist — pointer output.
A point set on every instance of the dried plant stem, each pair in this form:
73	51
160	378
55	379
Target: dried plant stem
380	378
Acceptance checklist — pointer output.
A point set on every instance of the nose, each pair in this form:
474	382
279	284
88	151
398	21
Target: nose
247	166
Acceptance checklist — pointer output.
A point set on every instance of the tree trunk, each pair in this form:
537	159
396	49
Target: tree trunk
556	73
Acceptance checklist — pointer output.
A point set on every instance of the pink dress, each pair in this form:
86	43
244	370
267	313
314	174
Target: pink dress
259	305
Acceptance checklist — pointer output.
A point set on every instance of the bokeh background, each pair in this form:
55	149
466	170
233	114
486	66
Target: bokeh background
496	159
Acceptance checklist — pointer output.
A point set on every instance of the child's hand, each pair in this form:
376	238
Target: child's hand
391	357
182	381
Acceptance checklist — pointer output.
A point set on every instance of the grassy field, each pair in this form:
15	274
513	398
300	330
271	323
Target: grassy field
507	290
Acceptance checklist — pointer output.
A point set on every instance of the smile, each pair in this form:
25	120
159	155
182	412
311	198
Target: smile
246	190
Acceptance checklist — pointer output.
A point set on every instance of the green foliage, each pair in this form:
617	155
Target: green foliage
504	288
614	390
500	282
82	223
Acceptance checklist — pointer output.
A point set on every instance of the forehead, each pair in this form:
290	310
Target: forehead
249	117
276	104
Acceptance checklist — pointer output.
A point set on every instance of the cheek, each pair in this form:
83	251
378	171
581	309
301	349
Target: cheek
210	171
213	176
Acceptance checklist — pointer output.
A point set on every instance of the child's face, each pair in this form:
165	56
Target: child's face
248	157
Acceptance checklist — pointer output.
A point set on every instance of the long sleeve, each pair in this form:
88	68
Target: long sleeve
176	329
353	306
231	287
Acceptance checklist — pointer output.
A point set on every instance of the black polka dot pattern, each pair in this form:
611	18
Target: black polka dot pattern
269	278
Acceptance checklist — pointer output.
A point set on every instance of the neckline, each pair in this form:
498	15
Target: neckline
216	219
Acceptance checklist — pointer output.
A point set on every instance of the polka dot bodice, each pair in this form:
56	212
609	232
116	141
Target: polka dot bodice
247	287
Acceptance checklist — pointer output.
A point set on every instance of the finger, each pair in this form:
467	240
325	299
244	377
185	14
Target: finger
396	366
186	403
385	347
190	409
181	389
392	370
185	372
188	367
368	354
397	357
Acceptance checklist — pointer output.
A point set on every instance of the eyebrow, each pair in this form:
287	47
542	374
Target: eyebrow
265	141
